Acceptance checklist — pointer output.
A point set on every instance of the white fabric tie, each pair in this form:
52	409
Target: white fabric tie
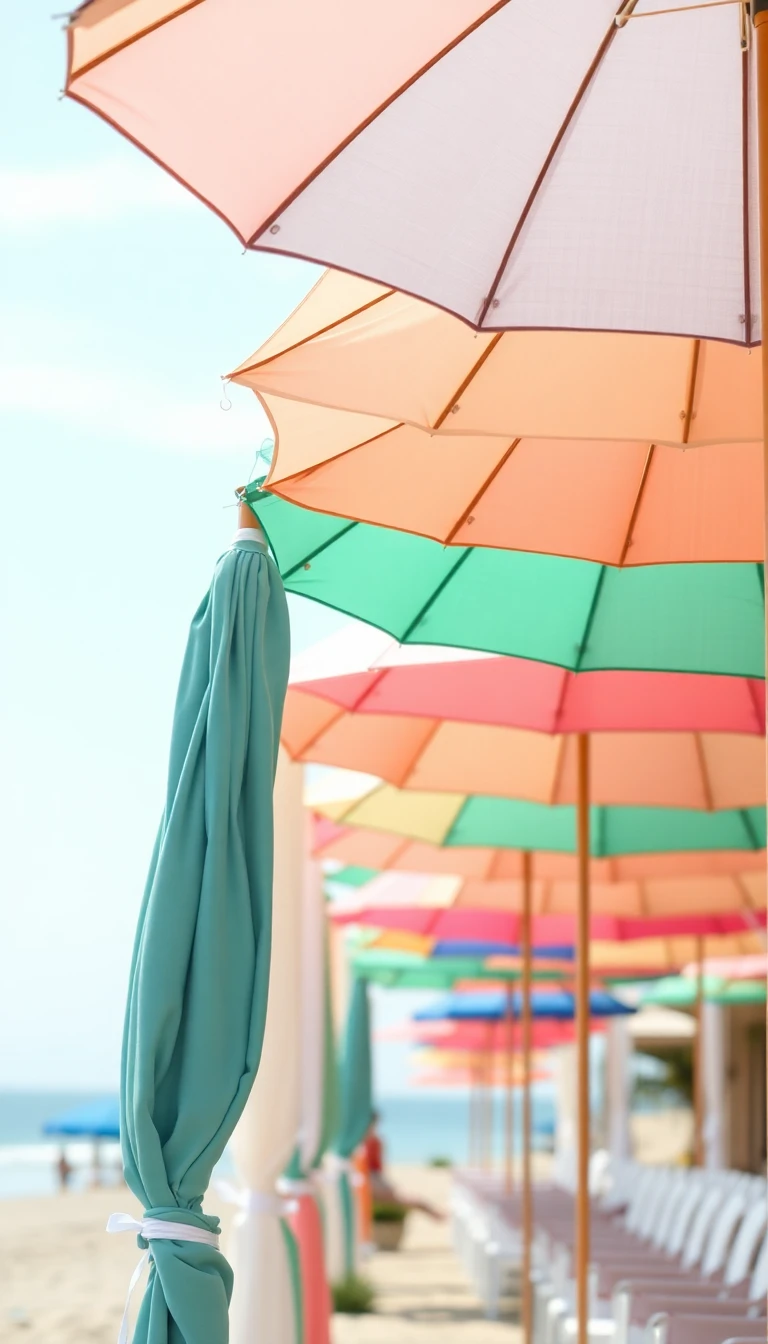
294	1185
255	1201
153	1229
250	534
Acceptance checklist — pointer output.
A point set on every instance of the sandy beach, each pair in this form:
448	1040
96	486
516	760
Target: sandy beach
64	1280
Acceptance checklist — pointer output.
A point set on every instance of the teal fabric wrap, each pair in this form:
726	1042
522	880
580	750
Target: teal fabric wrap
356	1101
199	979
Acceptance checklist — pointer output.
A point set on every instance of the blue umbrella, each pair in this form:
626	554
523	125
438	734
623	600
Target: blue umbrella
468	947
493	1006
93	1120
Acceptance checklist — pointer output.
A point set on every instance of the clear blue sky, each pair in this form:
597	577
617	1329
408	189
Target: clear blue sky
122	300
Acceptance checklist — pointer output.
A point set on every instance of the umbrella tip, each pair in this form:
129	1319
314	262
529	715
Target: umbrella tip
245	515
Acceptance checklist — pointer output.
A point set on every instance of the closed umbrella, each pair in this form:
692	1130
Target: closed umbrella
356	1111
263	1257
311	1140
197	999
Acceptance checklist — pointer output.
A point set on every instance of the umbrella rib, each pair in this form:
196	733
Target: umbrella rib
558	771
745	194
301	564
638	501
690	391
372	116
487	483
706	782
464	384
580	92
759	712
307	472
418	618
313	335
314	738
750	829
582	648
418	753
745	894
120	46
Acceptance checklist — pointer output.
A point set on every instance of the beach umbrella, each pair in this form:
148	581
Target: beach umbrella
574	614
732	968
680	992
367	389
311	1139
360	670
267	1297
373	851
425	752
489	157
455	821
92	1120
491	911
356	1108
197	998
555	1005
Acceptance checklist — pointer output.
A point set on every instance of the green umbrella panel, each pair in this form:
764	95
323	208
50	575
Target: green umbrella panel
356	1102
505	823
198	984
680	991
408	970
575	614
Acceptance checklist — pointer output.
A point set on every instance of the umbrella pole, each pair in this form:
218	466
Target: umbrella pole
759	12
698	1060
527	1209
509	1097
582	1046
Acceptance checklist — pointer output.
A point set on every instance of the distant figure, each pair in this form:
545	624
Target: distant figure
63	1171
383	1192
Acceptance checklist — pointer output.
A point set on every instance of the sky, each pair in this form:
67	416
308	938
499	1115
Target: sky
122	302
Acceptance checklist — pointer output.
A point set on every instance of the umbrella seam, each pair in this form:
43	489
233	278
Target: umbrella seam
465	382
121	46
582	648
638	501
539	182
418	618
373	116
484	488
313	335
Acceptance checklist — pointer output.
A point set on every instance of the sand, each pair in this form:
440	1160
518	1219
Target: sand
64	1280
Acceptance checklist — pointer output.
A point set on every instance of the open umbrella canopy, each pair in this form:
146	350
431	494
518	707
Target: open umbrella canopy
488	156
493	1006
376	851
732	968
491	910
577	615
680	991
94	1119
369	391
359	670
455	821
664	769
398	969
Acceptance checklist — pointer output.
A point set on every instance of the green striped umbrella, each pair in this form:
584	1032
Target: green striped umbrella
506	823
682	991
578	615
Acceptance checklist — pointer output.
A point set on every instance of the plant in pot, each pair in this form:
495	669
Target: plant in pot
388	1225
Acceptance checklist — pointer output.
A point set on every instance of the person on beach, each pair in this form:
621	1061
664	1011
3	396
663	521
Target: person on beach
63	1171
382	1191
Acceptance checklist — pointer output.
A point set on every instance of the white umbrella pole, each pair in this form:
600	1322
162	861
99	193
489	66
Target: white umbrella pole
262	1144
698	1060
759	11
509	1097
527	1202
582	1046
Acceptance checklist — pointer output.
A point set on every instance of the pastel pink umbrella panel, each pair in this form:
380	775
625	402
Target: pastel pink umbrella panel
489	157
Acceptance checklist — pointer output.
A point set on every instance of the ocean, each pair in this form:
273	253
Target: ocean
416	1127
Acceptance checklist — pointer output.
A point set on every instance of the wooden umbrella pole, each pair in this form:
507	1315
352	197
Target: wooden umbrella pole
759	11
527	1210
509	1098
698	1059
582	1046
